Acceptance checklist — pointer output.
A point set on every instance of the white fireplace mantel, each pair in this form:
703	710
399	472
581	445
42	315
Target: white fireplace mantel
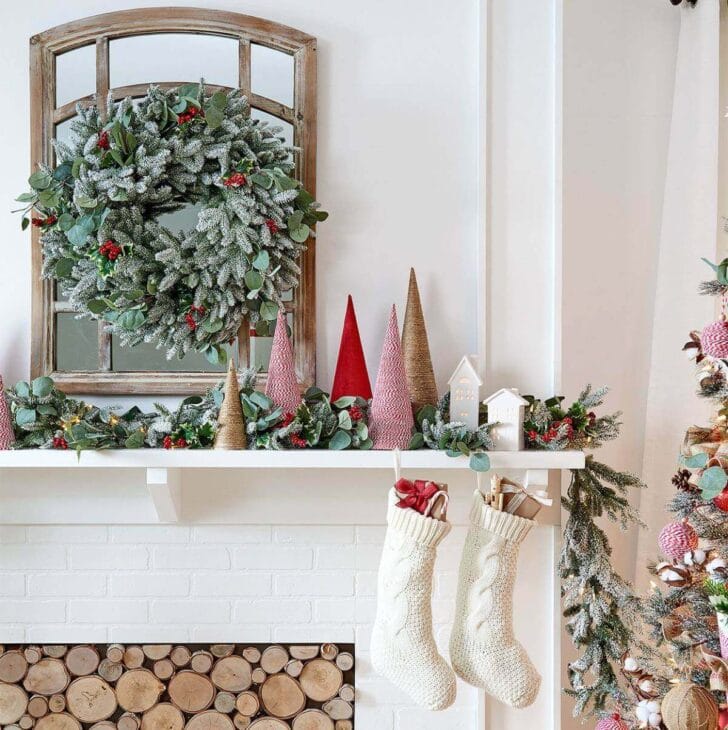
166	470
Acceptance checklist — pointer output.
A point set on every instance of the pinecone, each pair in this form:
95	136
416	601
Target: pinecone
681	481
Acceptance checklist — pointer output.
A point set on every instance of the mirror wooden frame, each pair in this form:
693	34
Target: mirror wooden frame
99	30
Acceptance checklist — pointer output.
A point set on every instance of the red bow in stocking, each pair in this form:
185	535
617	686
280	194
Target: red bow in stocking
416	494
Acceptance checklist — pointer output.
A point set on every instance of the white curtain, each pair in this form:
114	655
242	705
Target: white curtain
690	217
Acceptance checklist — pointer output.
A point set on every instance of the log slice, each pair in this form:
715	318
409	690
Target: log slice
13	703
321	680
138	690
191	692
47	677
282	696
164	716
232	674
313	720
90	699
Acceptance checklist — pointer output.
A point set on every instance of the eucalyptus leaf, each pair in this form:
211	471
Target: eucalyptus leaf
480	461
300	234
253	280
697	461
214	117
340	440
66	221
25	416
261	261
97	306
345	401
64	267
40	180
417	441
269	311
712	482
42	387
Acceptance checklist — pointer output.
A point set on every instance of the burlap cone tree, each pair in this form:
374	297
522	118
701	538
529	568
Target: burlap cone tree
351	376
390	417
282	386
231	423
416	351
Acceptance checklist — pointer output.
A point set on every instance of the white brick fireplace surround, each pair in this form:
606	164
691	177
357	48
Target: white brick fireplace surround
231	572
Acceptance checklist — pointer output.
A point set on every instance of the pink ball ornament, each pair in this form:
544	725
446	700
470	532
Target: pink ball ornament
723	719
676	539
714	340
613	722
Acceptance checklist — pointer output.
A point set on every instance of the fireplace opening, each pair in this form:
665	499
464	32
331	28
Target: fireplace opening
177	687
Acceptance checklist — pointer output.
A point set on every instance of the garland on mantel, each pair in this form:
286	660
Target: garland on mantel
598	604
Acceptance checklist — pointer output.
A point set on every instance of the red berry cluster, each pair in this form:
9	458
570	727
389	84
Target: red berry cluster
60	443
356	413
169	443
110	250
189	115
287	420
236	180
553	432
41	222
190	316
103	143
272	226
298	441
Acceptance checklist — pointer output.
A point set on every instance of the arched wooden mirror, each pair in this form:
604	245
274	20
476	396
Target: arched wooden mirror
122	53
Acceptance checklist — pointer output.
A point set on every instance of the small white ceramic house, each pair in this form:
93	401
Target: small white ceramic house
508	409
465	386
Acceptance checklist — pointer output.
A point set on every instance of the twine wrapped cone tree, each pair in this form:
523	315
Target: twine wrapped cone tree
282	385
416	351
351	376
7	437
390	417
231	423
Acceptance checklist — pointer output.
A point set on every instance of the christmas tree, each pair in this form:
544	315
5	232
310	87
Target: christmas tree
282	385
680	671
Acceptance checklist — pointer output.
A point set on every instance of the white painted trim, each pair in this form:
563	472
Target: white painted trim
558	196
483	192
39	459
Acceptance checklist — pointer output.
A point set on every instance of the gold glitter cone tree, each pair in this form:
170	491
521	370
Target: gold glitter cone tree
230	421
416	351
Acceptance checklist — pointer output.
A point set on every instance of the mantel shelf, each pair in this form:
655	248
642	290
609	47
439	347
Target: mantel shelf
309	459
164	469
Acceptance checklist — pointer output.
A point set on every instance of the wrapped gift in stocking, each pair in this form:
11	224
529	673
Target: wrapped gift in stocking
403	647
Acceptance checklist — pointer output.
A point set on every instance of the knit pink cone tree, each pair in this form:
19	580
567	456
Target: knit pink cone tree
390	417
7	437
282	385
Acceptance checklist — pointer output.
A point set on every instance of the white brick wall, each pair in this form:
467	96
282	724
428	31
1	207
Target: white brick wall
218	583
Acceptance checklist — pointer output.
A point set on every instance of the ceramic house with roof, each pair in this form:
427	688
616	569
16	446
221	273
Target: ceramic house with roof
508	409
465	386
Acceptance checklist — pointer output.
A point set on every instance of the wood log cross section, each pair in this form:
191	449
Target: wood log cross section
177	687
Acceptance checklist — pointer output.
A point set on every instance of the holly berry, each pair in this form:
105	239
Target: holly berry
287	420
167	442
298	442
721	500
180	443
190	321
51	219
103	143
272	226
60	443
236	180
110	250
41	222
355	413
189	115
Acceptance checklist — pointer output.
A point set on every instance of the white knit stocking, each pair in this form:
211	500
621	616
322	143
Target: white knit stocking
483	649
403	648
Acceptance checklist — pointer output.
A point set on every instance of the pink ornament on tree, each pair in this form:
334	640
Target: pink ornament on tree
390	417
613	722
7	437
676	539
282	385
714	340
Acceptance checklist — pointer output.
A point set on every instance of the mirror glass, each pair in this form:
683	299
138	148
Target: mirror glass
286	129
77	343
75	74
271	74
183	57
146	356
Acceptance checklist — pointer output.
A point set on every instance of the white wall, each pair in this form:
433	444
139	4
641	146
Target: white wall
396	164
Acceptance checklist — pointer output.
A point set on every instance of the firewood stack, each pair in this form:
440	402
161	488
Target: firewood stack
176	687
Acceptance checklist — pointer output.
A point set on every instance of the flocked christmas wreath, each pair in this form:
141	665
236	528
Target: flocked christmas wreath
98	211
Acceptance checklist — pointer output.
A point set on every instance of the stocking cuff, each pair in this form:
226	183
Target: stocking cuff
423	530
510	527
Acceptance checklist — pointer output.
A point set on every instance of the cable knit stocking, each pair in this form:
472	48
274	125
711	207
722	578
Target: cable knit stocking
403	648
483	649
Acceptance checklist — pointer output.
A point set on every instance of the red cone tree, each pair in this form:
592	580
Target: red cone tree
351	376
